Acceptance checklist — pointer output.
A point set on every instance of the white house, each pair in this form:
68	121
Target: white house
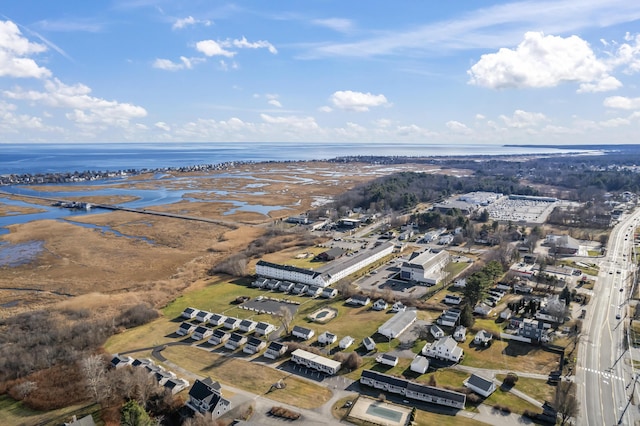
275	350
380	305
185	328
189	313
231	323
480	385
359	300
449	318
482	338
218	336
203	316
206	398
329	293
264	328
254	345
398	307
460	283
445	348
482	309
302	333
217	319
345	342
176	385
235	341
460	333
436	332
451	299
201	332
387	359
327	338
247	325
426	268
419	364
368	343
119	361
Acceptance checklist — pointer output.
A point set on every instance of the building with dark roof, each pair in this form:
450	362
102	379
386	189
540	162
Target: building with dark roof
413	390
291	273
205	397
275	350
480	385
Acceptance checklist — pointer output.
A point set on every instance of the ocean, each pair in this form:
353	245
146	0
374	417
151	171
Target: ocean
61	158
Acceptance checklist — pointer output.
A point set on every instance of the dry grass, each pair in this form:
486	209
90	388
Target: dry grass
510	355
15	413
540	390
249	376
10	210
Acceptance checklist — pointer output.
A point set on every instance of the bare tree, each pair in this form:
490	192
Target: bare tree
284	317
345	288
94	370
566	402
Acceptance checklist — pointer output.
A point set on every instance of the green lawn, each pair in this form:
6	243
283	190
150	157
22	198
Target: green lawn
13	412
506	399
249	376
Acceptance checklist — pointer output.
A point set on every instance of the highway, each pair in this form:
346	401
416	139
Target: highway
605	376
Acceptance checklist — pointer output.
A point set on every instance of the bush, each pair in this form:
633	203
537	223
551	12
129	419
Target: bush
285	413
510	380
137	315
505	409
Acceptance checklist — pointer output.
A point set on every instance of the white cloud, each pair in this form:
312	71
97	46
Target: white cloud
275	103
615	122
543	61
301	123
14	52
325	108
480	117
213	48
243	43
521	119
458	127
163	126
168	65
621	102
382	123
356	101
337	24
189	20
86	109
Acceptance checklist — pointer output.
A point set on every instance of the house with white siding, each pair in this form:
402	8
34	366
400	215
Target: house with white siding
398	323
345	342
387	359
275	350
445	348
480	385
254	345
218	336
316	362
217	319
247	325
236	340
302	332
205	397
426	268
201	332
264	328
189	313
185	328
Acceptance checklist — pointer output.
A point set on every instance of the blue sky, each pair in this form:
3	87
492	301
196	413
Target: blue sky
527	72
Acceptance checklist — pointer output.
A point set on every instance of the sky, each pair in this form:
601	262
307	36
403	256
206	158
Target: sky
457	72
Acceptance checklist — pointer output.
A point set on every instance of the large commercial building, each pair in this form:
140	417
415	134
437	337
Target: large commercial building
398	323
426	268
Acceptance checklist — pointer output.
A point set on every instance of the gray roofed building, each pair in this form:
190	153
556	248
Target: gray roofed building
218	336
275	350
247	325
235	341
420	364
480	385
398	323
302	332
254	345
217	319
205	398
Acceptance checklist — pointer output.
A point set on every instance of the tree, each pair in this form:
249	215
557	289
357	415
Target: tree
566	402
466	316
484	216
353	361
133	414
94	370
284	317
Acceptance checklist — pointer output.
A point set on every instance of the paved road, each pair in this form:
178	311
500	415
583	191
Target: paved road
604	372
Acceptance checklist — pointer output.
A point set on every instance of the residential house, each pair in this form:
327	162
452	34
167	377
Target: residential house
231	323
445	348
259	282
235	341
398	323
380	305
368	343
201	332
189	313
480	385
449	318
436	332
185	328
302	332
82	421
205	397
176	385
483	338
203	316
533	329
162	376
286	286
398	307
413	390
419	364
460	283
275	350
142	362
327	338
264	328
451	299
217	319
329	293
299	288
218	336
272	284
387	359
247	325
254	345
119	361
316	362
482	309
506	314
314	290
460	333
359	300
345	342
